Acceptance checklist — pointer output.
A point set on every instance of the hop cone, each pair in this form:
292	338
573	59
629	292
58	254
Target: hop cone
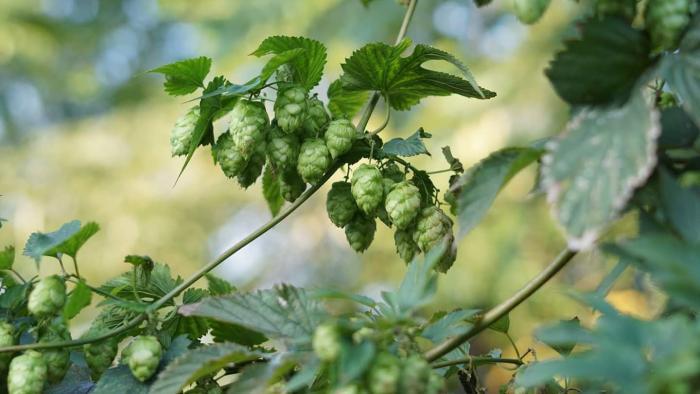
360	232
100	355
57	360
340	204
367	188
249	122
290	108
626	9
291	185
314	160
47	297
666	20
250	173
431	227
316	119
415	375
402	204
143	356
181	135
449	256
384	375
339	137
530	11
27	374
326	342
7	338
285	73
227	156
405	245
282	149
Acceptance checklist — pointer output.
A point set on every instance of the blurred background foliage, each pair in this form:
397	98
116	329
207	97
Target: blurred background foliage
84	135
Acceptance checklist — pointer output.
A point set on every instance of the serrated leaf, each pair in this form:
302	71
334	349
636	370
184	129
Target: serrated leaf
278	60
478	187
271	190
76	381
7	258
401	80
284	312
343	103
445	325
228	332
72	245
197	363
411	146
119	380
256	378
160	284
603	65
682	207
79	298
185	76
425	185
592	169
307	68
39	244
681	70
218	286
191	326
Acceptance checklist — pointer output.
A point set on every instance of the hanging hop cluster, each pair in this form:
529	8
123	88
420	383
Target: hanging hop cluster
100	355
47	297
28	374
666	20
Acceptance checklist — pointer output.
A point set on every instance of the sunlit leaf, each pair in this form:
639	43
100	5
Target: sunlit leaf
411	146
7	257
39	244
72	245
185	76
343	103
307	66
79	298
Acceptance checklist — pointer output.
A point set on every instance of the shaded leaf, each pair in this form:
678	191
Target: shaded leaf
76	381
219	286
271	191
79	298
343	103
160	284
355	359
339	294
564	336
501	325
72	245
308	68
681	70
119	380
411	146
677	129
39	244
682	206
7	258
185	76
445	325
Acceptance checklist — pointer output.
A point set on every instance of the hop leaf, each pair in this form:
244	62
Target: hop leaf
316	118
340	204
360	232
143	356
227	156
308	68
47	297
185	76
405	245
290	108
27	374
183	131
367	188
291	185
339	137
666	20
249	123
402	204
314	160
626	9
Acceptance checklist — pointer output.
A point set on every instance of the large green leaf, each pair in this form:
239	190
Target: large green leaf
682	70
307	67
39	244
592	169
682	206
343	103
197	363
411	146
402	80
185	76
7	257
72	245
603	65
284	312
478	187
79	298
271	190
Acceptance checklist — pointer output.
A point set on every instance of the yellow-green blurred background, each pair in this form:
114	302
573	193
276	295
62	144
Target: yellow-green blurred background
84	134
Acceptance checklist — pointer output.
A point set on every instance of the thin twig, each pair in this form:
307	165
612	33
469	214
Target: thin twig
18	275
476	360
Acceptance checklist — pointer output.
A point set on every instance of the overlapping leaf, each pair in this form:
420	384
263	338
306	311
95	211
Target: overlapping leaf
307	57
72	245
39	243
343	103
185	76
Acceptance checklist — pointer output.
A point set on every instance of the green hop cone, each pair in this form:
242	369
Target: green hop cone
28	374
181	135
340	204
227	156
385	374
360	232
57	360
449	256
143	356
100	355
282	149
7	338
415	375
432	226
530	11
47	297
402	204
314	160
290	108
367	188
405	245
249	123
252	170
339	137
316	119
666	20
626	9
291	185
326	342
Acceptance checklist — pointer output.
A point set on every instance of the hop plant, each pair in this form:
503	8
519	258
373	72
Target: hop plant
340	204
227	156
291	185
360	232
415	375
47	297
181	135
392	175
530	11
143	356
450	255
314	160
7	338
57	360
249	122
290	108
385	374
405	245
402	204
282	149
252	170
339	137
666	20
431	227
28	374
100	355
367	188
316	119
626	9
326	342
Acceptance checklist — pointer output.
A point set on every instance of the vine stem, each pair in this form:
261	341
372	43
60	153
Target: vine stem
364	119
504	307
478	361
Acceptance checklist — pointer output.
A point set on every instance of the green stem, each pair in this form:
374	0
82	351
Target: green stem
95	289
478	361
75	266
503	308
364	119
18	275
